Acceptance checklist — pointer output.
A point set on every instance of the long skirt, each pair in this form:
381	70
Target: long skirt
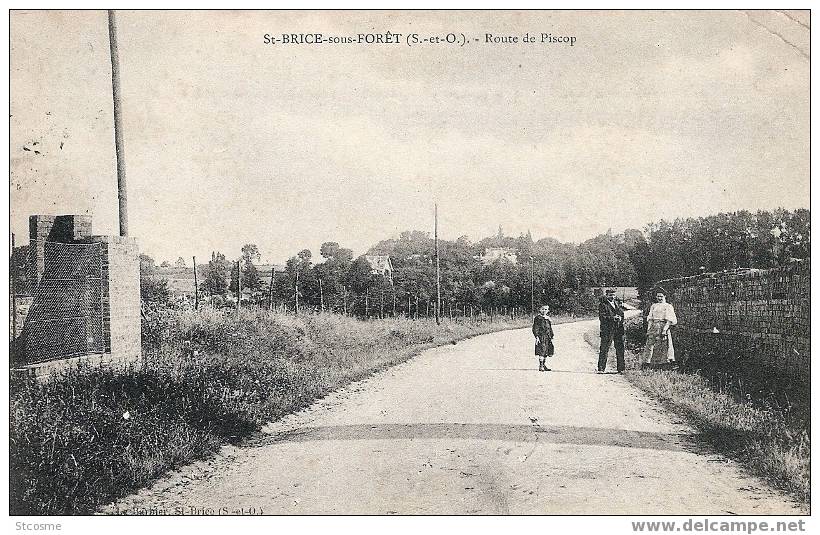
659	348
545	349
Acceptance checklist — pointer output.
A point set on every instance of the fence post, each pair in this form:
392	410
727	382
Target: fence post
238	287
270	290
196	289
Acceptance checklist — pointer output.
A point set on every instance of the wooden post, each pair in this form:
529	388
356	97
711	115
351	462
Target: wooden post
296	292
119	145
270	290
381	302
532	286
408	306
321	296
196	288
417	307
366	303
238	287
438	271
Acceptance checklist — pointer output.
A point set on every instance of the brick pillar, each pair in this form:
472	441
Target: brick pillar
53	228
121	296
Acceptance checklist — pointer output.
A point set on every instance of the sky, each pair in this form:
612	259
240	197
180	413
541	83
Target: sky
228	140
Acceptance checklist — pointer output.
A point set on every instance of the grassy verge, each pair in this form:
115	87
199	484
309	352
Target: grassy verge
89	436
770	440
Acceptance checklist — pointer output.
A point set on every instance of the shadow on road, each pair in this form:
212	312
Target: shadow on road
557	434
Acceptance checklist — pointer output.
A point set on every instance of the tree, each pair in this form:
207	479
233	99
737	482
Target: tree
250	275
359	275
153	287
329	249
216	274
180	263
147	265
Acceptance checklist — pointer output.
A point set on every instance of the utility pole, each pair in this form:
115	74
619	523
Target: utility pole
438	270
296	293
238	288
119	145
270	290
196	289
532	285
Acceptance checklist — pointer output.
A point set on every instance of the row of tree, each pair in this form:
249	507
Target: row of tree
543	271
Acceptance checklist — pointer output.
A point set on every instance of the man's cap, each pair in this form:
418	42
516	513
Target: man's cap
610	291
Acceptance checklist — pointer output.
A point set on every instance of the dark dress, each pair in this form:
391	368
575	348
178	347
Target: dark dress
542	328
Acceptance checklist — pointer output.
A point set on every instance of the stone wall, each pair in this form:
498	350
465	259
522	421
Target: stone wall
753	320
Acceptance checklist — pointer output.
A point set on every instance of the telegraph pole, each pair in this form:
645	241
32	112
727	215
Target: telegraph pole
238	287
119	145
270	290
438	270
532	285
196	289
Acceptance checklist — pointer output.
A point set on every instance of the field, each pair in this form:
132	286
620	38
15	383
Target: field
89	436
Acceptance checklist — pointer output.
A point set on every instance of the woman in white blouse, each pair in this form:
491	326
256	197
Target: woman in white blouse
659	348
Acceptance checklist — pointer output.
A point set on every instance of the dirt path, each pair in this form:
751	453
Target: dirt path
473	428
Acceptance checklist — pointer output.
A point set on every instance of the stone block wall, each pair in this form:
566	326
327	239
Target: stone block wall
751	319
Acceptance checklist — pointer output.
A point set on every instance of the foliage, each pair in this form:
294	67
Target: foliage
250	275
216	274
154	289
671	249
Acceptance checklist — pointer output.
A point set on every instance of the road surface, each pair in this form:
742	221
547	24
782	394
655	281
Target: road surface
473	428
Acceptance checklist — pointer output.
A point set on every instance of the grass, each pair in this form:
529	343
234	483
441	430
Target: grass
91	435
770	439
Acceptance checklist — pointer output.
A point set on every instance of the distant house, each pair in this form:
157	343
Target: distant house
491	254
381	265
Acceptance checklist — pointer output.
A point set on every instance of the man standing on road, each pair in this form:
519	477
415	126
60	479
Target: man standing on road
611	315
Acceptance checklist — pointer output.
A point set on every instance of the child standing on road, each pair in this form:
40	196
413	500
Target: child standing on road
542	330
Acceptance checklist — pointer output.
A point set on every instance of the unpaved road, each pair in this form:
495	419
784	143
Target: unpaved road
473	428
